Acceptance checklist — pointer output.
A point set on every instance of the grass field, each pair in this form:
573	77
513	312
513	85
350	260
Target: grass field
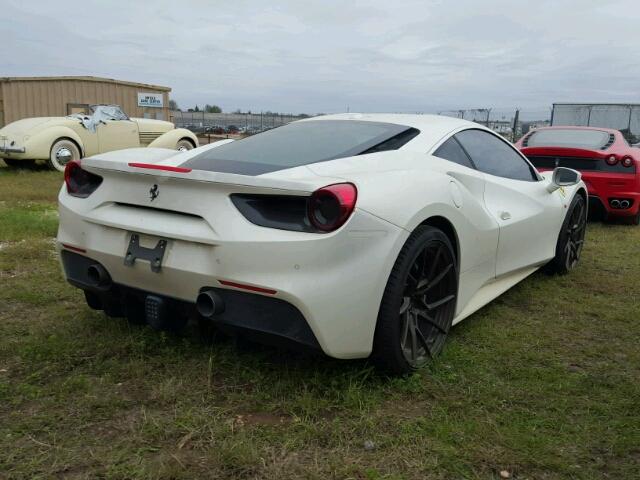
544	383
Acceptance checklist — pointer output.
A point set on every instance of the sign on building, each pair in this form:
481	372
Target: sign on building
150	100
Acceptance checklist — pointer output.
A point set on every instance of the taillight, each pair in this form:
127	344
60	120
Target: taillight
627	162
80	183
611	160
329	207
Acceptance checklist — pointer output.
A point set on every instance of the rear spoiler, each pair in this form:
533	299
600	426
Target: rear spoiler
306	180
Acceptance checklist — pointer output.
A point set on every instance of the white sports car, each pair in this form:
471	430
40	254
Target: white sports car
359	235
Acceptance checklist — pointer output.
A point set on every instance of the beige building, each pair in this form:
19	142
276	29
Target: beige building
23	97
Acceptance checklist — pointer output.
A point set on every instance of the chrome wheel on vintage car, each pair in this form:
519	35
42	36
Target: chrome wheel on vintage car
184	145
63	151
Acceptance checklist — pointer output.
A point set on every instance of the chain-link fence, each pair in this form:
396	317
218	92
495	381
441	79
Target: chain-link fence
512	123
623	117
221	123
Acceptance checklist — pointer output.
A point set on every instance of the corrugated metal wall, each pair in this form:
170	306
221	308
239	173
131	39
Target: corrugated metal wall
44	97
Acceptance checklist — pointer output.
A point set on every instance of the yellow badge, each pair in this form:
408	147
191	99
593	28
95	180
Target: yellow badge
562	192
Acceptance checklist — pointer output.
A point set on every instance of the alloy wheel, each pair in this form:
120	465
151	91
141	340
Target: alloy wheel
427	304
576	228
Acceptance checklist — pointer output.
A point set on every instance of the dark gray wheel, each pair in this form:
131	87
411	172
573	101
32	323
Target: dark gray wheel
418	304
570	239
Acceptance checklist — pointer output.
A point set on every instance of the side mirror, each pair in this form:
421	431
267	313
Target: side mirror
563	177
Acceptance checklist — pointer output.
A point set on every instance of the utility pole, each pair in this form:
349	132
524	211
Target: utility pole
514	129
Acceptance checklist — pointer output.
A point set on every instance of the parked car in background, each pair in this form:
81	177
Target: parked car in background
60	140
609	166
215	129
196	128
232	129
352	234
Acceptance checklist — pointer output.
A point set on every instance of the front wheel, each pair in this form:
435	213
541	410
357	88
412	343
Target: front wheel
184	145
570	239
418	304
63	151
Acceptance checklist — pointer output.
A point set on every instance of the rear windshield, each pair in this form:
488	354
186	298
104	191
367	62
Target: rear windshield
569	137
302	143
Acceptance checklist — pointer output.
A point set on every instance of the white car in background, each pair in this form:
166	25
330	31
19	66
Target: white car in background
359	235
59	140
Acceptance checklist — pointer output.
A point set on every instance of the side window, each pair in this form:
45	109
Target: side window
452	151
492	155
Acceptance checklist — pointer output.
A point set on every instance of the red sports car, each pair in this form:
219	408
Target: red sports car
609	166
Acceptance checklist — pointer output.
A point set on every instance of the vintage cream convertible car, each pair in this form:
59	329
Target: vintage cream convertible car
58	140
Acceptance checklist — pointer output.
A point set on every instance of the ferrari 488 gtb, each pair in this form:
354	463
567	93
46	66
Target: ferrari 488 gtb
358	235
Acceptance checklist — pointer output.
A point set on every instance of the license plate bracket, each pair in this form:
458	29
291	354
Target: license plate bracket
137	252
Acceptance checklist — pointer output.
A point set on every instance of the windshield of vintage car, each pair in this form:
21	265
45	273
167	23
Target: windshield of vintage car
109	112
302	143
101	113
569	137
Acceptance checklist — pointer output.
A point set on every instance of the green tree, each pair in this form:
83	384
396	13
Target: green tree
212	108
173	105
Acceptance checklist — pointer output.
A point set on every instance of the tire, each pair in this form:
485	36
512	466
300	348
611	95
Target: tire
635	220
418	304
62	152
15	163
570	239
184	145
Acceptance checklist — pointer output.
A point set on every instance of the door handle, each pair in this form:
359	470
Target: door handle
505	215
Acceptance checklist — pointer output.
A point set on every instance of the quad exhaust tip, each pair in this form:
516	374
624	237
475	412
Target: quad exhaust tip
615	203
624	204
209	304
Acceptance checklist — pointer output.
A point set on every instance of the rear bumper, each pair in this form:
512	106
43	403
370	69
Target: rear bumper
269	319
608	188
334	281
5	149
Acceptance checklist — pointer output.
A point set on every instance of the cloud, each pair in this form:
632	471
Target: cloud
325	56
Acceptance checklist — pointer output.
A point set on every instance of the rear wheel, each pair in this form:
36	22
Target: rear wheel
184	145
570	239
418	304
62	152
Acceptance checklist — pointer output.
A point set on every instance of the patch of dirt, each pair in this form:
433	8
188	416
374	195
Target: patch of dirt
261	418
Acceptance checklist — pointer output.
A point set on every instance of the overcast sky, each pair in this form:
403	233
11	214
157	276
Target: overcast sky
327	56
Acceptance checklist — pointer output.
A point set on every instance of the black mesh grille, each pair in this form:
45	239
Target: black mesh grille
612	138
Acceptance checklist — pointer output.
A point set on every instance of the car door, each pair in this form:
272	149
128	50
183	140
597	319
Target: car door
516	196
117	134
479	241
